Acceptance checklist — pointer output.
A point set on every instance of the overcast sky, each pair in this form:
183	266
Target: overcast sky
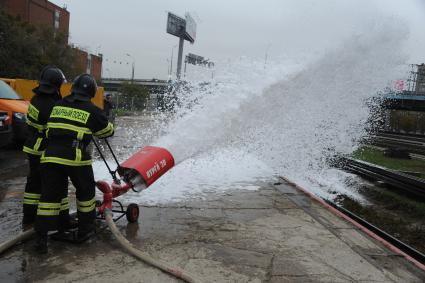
228	28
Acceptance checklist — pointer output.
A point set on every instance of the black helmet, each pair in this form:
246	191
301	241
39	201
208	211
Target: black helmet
51	79
84	87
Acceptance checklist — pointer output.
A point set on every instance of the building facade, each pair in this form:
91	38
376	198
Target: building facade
45	13
39	12
420	79
89	63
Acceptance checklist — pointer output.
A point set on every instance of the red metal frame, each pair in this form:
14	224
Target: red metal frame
150	163
110	193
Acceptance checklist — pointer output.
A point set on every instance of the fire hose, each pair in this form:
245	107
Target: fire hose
176	272
26	235
138	172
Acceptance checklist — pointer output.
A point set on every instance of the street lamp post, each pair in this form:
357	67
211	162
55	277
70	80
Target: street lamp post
266	55
132	67
168	68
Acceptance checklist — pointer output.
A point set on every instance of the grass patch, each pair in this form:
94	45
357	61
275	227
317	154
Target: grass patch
377	157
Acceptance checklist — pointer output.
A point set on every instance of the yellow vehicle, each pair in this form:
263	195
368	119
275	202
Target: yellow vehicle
24	89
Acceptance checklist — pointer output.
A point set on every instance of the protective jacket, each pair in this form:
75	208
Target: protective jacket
70	128
38	113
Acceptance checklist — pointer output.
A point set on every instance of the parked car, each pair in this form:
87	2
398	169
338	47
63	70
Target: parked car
5	129
16	109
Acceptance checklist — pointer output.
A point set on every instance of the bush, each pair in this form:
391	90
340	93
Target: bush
133	97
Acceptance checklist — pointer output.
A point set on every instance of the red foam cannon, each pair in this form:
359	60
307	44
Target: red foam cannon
138	172
149	163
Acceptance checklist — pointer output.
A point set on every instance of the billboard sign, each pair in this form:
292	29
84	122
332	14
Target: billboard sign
198	60
175	25
190	30
194	59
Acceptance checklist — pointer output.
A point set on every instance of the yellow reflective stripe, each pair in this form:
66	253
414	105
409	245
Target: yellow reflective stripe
86	206
33	112
69	127
77	154
64	161
87	209
48	208
87	202
48	212
80	135
70	114
38	143
64	206
49	205
31	201
32	195
31	151
34	150
39	127
104	135
105	131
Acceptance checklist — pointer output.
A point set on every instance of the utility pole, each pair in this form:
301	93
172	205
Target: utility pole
171	64
266	55
184	29
132	67
168	69
179	59
132	72
185	64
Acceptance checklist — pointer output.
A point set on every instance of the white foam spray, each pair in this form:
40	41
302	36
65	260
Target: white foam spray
254	121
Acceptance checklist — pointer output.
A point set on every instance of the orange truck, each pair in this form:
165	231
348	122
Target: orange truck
15	95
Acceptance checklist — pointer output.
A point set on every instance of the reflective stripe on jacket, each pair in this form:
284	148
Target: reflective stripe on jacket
38	113
70	128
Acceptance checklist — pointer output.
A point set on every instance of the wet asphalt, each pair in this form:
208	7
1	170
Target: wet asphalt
274	234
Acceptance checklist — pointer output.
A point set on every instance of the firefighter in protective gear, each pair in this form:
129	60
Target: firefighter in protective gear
72	123
47	93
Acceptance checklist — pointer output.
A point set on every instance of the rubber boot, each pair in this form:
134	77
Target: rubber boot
67	229
83	235
85	231
28	219
68	223
41	243
27	226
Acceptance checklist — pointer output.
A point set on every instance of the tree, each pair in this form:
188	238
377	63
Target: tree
26	49
133	96
54	49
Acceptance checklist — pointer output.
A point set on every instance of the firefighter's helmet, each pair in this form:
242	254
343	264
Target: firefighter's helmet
51	79
84	86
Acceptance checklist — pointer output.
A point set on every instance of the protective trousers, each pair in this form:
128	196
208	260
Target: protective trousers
53	177
33	192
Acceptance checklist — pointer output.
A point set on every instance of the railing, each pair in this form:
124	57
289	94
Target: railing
393	178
